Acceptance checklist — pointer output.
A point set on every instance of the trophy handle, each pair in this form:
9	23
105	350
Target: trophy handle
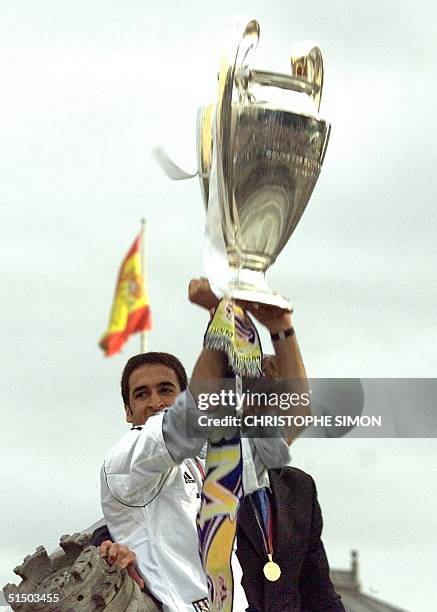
231	61
309	67
205	117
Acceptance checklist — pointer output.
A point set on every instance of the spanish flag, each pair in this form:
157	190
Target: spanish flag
130	310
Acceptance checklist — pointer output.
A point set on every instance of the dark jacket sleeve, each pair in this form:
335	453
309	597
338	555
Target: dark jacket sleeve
100	535
315	586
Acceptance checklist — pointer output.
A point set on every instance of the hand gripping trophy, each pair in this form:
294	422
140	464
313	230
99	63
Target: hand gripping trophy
259	161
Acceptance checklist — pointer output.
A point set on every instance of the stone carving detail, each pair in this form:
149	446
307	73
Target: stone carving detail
78	578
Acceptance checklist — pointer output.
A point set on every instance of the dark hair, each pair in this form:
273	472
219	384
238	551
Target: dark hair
170	361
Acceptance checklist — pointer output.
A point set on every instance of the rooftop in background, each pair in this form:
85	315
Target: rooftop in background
348	586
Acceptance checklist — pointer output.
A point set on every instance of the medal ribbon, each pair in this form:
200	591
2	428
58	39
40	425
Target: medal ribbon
263	515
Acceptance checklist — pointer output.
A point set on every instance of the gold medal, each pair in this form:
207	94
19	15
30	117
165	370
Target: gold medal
271	570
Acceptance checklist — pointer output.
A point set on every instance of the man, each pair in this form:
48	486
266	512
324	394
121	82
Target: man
150	502
288	364
150	485
291	531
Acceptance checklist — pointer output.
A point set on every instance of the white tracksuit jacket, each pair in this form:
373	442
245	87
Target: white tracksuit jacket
150	503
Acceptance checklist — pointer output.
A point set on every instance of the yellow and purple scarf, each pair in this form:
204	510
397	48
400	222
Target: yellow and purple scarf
232	332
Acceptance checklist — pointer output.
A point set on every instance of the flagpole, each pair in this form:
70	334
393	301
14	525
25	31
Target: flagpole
143	335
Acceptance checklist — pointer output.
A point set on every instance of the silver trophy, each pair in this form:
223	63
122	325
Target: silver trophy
263	143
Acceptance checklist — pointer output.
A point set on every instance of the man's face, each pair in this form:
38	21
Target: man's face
152	387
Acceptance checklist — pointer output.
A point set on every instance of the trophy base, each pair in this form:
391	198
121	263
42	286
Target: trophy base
262	297
251	295
251	286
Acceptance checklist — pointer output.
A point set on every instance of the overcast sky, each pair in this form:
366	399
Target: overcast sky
87	90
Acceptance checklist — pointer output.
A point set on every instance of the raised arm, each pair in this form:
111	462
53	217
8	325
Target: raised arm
286	366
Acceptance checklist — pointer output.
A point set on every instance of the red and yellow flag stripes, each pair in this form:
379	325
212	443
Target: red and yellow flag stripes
130	310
